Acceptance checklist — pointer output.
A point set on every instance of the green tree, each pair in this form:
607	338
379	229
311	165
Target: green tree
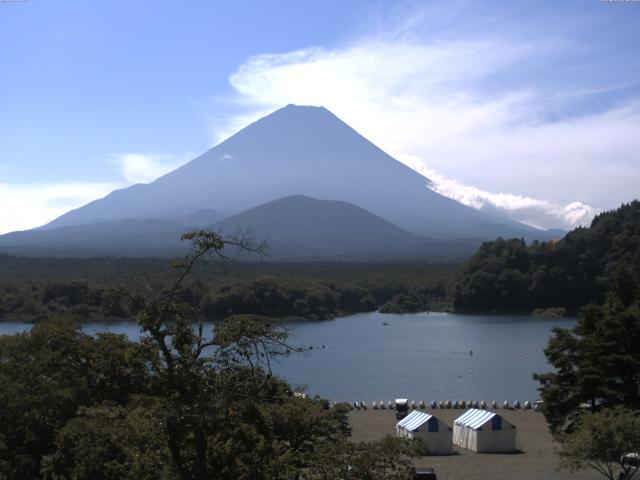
223	413
389	459
47	374
107	442
597	363
600	442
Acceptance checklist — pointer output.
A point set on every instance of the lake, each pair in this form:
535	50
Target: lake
419	356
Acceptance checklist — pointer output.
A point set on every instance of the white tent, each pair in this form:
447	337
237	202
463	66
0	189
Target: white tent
436	435
484	431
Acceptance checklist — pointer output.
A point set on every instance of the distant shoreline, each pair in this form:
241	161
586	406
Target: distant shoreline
292	320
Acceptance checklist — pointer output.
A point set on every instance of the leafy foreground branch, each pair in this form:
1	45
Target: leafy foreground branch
182	403
607	442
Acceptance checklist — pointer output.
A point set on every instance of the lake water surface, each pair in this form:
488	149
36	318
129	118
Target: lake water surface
418	356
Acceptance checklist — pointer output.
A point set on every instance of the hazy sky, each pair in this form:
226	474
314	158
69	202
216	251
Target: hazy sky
528	108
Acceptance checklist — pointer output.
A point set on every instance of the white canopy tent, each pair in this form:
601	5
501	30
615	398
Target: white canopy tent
436	435
484	431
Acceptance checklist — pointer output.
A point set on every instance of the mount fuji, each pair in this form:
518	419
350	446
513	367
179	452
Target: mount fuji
295	152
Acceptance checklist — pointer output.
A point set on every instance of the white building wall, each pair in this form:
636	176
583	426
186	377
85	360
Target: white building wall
437	443
486	440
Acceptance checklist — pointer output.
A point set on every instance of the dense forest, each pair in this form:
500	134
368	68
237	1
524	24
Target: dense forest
111	288
508	275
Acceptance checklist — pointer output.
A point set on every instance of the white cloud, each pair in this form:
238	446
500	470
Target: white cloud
147	167
31	205
444	102
532	211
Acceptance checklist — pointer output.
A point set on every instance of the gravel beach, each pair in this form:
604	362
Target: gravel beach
535	460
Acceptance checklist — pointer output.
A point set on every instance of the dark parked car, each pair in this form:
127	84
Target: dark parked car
424	474
631	463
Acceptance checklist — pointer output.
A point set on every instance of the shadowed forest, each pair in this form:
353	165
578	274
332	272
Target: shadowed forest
106	288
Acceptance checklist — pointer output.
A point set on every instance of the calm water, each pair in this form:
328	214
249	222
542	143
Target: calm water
419	356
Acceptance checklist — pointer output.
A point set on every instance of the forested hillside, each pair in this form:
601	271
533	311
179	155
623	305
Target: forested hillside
508	275
110	288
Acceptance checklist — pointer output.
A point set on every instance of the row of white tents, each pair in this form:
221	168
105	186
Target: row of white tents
476	430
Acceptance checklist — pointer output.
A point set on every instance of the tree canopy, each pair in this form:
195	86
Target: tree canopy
603	441
508	275
597	363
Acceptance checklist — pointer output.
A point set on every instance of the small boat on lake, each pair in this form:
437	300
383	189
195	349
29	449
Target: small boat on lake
385	323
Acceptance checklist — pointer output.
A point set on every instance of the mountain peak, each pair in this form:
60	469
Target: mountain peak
301	115
301	149
309	108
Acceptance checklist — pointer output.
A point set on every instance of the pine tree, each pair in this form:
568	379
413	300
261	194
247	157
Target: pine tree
597	362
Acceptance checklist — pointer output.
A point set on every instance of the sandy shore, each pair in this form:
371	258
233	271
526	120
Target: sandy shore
536	459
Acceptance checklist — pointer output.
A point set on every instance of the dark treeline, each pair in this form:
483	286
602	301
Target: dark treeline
110	288
508	275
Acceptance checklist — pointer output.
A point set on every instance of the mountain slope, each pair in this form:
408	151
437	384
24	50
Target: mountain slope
301	217
295	228
128	237
298	227
304	150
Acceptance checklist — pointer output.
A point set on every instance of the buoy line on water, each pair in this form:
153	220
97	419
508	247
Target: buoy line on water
503	361
401	350
495	364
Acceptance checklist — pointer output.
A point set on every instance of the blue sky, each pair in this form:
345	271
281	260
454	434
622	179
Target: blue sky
531	109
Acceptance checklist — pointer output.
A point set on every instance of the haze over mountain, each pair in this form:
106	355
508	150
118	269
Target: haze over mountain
295	228
126	237
300	150
364	202
300	227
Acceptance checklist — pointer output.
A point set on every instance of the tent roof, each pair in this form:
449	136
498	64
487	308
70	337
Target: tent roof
474	418
413	421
